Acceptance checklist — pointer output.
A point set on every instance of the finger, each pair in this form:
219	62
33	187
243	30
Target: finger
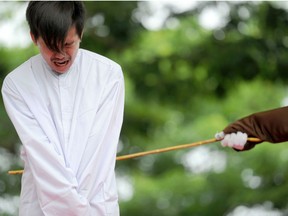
232	140
220	135
241	140
225	141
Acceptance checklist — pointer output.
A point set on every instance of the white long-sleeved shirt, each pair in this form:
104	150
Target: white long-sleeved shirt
69	126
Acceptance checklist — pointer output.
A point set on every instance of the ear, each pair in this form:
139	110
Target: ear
81	36
33	38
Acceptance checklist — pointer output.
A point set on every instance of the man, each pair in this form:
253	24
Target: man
66	105
270	126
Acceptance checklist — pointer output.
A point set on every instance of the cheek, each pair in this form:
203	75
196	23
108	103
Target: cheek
72	53
46	53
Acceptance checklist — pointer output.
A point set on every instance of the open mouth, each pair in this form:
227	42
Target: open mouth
61	63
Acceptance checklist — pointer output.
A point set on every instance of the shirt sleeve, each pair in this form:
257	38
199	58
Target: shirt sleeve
270	126
103	140
55	183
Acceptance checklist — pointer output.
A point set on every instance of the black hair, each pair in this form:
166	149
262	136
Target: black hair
52	20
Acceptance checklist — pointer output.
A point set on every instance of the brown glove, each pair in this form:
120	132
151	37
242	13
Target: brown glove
270	126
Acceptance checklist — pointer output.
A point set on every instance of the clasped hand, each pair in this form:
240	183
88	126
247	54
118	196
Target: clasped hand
232	140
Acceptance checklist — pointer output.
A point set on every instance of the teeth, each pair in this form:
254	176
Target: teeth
61	63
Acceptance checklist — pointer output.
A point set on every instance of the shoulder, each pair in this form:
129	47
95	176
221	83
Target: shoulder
24	69
21	74
96	57
99	62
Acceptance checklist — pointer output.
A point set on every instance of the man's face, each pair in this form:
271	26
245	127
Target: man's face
60	62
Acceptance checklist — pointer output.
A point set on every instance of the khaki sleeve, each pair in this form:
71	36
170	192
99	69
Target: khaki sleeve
270	126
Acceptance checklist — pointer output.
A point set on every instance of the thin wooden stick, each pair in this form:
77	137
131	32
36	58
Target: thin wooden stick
156	151
15	172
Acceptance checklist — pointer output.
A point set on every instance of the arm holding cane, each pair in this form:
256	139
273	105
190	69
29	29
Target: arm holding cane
270	126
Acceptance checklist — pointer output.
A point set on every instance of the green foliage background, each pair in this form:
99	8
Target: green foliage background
183	84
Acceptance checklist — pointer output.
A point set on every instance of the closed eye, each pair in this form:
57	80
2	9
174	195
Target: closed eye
70	44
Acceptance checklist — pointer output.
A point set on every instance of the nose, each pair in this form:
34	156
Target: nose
60	55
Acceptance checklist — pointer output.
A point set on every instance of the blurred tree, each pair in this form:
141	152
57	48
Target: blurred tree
110	25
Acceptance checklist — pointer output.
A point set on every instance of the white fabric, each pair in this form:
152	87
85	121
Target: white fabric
69	126
233	140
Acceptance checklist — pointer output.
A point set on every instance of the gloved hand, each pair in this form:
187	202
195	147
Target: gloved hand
233	140
270	126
